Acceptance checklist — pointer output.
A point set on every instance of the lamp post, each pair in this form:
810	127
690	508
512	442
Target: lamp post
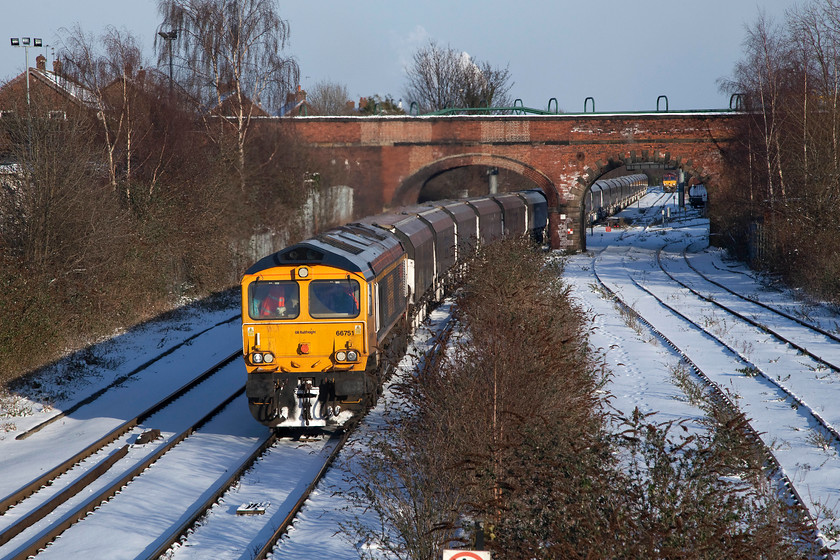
169	36
25	42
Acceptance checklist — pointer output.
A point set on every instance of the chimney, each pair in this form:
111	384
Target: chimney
57	67
41	63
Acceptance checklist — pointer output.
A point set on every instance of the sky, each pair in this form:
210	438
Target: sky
624	55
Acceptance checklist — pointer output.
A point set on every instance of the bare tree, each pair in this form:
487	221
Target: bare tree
485	85
56	216
790	151
328	98
815	29
229	52
105	69
442	77
764	47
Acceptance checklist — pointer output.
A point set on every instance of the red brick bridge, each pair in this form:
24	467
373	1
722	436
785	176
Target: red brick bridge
388	159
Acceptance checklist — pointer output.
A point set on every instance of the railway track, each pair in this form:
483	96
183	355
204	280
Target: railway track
195	457
198	451
104	444
649	214
767	372
92	440
121	380
802	337
107	461
722	394
809	325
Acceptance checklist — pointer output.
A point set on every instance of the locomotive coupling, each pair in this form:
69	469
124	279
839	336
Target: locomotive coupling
307	395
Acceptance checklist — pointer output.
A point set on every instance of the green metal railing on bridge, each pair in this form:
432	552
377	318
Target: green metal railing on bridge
736	104
518	108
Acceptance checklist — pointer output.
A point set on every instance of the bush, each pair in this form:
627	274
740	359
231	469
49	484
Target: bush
503	429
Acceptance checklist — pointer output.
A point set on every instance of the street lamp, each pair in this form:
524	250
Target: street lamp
169	36
25	43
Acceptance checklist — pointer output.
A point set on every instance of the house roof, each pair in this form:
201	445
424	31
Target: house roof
294	108
60	84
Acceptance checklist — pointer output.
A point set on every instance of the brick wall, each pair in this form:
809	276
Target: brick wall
387	160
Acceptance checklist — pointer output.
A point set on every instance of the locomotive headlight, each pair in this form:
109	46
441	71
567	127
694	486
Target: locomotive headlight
352	355
256	358
303	272
340	355
268	357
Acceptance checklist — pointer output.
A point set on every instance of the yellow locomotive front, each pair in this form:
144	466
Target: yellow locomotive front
309	327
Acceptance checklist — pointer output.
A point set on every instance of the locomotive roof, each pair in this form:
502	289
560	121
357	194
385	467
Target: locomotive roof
354	248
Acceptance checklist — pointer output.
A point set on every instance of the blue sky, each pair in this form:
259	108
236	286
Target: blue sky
623	54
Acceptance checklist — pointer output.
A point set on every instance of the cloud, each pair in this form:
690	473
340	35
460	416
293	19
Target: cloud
406	44
418	36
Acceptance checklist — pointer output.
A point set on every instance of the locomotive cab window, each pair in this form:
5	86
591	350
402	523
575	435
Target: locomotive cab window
274	300
334	299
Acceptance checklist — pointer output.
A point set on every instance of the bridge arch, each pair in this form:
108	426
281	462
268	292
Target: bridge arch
409	189
662	160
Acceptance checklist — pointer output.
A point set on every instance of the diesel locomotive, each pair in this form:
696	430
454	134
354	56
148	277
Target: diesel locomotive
318	316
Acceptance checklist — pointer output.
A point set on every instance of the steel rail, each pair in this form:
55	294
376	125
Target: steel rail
271	542
45	509
33	486
120	380
177	531
755	323
749	363
90	504
784	314
721	397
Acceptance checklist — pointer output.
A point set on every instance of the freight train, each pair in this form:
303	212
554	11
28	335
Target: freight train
608	196
319	316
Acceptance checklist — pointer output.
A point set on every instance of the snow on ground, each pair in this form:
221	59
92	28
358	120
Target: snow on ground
83	373
642	369
626	260
69	381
